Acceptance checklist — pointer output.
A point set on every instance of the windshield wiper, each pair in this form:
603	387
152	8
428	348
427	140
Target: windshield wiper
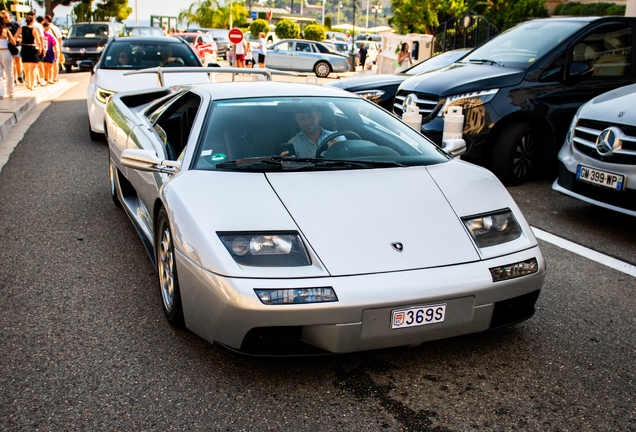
287	163
485	61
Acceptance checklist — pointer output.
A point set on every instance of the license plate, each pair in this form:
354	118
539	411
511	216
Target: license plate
602	178
417	316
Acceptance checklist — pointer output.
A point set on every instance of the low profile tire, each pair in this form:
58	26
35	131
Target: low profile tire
112	170
167	269
68	68
322	69
514	156
95	136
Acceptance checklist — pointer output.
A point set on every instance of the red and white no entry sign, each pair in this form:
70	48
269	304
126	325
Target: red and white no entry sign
235	35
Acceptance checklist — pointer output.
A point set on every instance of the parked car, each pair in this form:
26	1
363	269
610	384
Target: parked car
520	90
86	41
221	38
341	48
597	163
144	31
129	54
305	56
268	254
335	36
381	88
368	37
202	44
372	50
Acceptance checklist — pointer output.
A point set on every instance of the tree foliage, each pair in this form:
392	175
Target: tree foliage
209	14
257	26
287	29
590	9
315	32
109	9
328	22
423	16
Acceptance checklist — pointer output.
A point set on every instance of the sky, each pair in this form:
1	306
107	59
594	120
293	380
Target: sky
145	9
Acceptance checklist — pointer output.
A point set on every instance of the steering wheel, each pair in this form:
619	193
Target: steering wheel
324	144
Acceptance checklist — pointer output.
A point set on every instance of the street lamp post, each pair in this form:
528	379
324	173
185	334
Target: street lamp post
376	8
339	6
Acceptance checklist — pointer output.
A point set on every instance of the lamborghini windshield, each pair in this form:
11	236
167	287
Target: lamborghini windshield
309	133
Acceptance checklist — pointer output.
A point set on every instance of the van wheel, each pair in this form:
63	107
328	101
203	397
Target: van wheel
514	155
322	69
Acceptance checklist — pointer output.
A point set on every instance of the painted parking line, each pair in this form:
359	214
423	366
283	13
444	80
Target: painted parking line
585	252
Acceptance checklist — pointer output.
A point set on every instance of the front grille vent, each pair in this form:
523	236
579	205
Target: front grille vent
587	131
425	102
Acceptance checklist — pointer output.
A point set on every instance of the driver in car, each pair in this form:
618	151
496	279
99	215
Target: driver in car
311	134
167	57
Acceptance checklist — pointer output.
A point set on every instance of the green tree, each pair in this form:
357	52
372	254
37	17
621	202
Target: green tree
328	22
415	16
315	32
83	11
257	26
109	9
287	29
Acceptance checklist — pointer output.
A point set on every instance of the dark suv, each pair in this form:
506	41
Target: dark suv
520	90
86	41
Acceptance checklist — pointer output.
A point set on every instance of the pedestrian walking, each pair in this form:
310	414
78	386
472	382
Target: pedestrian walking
51	52
37	26
13	26
262	49
239	55
55	30
363	55
6	59
31	49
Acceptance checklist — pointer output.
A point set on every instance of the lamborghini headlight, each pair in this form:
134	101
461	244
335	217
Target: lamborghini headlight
372	95
468	100
273	249
102	94
492	229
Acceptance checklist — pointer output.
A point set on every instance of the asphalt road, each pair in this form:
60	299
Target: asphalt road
84	344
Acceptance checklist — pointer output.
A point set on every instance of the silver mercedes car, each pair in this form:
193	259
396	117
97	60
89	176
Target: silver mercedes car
305	56
597	163
327	226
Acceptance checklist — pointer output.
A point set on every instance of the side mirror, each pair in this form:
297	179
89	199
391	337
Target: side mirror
147	160
87	66
454	147
578	71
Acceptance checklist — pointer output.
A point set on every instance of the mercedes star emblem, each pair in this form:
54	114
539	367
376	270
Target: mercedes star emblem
408	100
397	246
621	114
608	141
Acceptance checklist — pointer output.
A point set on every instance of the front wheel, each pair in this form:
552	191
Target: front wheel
68	68
514	154
167	269
322	69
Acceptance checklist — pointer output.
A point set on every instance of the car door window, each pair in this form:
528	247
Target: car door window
608	49
303	47
283	46
174	125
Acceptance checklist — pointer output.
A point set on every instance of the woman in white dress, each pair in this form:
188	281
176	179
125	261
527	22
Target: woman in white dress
404	58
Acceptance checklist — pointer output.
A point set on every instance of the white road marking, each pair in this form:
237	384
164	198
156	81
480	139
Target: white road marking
585	252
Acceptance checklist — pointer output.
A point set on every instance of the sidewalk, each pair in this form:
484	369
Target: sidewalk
12	110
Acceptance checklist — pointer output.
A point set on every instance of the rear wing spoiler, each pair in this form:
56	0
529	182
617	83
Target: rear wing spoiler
232	70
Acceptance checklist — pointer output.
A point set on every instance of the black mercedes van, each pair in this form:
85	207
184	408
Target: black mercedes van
520	90
86	41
